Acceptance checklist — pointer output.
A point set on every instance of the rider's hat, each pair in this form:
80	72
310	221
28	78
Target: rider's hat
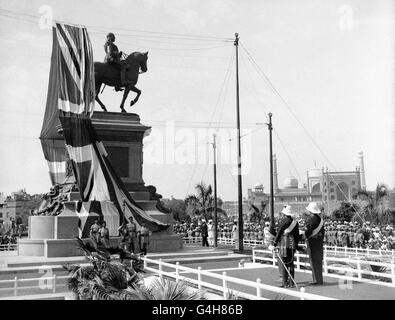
111	35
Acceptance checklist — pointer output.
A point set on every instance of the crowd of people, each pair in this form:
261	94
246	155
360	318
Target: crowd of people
366	235
10	234
130	237
341	234
7	239
228	230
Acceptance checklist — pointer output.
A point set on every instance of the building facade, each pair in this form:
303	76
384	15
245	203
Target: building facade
327	188
17	207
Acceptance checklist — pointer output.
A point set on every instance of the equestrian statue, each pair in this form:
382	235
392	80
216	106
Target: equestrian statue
120	71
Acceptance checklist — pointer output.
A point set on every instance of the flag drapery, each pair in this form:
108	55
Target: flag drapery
90	211
70	104
71	89
96	176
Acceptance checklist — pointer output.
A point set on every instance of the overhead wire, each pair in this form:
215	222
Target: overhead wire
136	33
271	85
286	104
212	115
286	152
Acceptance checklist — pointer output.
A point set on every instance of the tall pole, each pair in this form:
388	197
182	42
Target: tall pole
271	175
215	191
240	193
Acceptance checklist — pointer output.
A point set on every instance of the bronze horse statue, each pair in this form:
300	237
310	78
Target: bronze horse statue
109	74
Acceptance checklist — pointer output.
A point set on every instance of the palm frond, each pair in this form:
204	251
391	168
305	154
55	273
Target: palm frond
164	289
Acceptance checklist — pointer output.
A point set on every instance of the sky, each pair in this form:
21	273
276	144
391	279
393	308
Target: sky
331	61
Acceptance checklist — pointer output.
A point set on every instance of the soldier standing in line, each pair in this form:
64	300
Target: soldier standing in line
132	235
144	239
339	236
314	238
104	235
94	233
288	238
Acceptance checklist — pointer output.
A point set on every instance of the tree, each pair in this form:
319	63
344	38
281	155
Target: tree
345	212
178	208
256	214
373	206
106	279
199	203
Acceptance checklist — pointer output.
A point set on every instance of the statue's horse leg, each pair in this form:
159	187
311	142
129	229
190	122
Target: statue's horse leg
138	91
125	95
98	86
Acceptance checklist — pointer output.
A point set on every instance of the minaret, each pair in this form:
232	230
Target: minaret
275	179
362	171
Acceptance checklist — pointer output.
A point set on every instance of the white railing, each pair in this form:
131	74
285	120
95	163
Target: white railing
347	251
9	247
257	286
356	273
191	240
359	251
17	284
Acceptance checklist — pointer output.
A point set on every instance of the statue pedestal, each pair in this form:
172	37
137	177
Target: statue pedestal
122	135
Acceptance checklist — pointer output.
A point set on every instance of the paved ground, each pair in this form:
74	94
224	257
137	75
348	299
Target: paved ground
333	287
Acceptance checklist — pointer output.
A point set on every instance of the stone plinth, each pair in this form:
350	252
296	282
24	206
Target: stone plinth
47	227
122	135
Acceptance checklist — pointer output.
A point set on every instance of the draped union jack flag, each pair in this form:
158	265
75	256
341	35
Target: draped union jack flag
71	89
70	104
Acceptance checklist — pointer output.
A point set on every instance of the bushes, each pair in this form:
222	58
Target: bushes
107	279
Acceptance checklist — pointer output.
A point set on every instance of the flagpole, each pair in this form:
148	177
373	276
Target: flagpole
271	202
240	192
215	192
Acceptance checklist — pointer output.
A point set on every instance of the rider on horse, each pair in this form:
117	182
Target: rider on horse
113	55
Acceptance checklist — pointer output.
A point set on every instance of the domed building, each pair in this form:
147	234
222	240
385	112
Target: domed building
328	188
291	182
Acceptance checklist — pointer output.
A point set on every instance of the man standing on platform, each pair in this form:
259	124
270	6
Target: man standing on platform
288	238
204	231
315	241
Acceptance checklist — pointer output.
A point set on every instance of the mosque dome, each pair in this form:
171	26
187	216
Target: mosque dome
290	183
258	187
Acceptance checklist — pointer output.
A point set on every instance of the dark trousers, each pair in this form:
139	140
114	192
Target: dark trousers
315	249
204	241
287	267
131	245
144	249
